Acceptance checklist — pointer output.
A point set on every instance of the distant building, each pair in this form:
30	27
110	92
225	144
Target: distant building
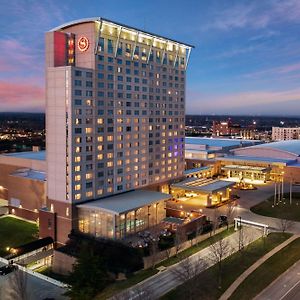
285	133
225	128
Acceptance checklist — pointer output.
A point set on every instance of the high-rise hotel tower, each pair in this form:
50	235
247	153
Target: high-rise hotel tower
115	113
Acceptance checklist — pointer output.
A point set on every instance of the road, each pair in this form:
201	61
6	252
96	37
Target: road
163	282
285	287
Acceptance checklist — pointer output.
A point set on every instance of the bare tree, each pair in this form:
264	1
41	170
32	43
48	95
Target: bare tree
285	225
154	250
18	285
186	272
217	252
180	237
168	252
230	212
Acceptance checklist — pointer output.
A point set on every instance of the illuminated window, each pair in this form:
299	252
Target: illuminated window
77	187
100	138
100	156
77	177
110	164
88	130
89	194
77	196
77	168
100	121
77	159
88	176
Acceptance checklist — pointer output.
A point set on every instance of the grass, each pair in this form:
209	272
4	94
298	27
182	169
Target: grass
15	232
268	272
205	285
47	271
283	210
139	276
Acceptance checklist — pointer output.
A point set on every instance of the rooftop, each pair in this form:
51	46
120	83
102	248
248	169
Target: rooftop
30	174
38	155
267	160
126	202
291	146
100	19
216	142
203	185
196	170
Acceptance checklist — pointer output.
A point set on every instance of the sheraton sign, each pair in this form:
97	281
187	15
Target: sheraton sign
83	44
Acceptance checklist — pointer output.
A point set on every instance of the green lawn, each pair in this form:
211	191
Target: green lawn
284	210
144	274
15	232
205	285
268	272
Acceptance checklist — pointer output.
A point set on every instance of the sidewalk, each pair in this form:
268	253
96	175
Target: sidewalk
244	275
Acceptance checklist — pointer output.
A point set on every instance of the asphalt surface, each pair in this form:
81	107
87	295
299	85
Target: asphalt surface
37	289
285	287
163	282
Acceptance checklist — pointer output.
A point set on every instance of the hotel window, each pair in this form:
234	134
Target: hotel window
78	92
88	130
77	187
77	196
110	48
77	177
78	73
89	194
88	176
77	168
78	83
77	158
110	164
101	44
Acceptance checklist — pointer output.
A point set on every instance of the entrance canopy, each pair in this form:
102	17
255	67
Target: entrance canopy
126	202
246	168
206	186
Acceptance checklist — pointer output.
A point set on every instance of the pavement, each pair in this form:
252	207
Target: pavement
163	282
37	289
253	267
285	287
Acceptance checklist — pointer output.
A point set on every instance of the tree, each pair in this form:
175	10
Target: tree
18	285
180	237
285	225
217	252
186	271
89	275
230	212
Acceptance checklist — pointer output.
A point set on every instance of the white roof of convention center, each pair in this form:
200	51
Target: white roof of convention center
292	146
125	202
217	142
36	155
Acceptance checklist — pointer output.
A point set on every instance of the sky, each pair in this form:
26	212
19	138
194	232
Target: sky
246	58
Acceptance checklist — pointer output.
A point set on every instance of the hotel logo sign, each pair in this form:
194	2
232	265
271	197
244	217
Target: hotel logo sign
83	44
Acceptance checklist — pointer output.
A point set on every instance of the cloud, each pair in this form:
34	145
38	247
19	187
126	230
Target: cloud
21	96
281	70
246	102
256	15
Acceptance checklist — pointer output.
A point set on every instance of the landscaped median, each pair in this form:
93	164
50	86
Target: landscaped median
281	210
206	283
139	276
268	272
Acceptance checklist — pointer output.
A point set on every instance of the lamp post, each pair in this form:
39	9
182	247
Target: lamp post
240	234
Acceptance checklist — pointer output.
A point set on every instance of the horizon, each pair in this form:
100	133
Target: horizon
245	57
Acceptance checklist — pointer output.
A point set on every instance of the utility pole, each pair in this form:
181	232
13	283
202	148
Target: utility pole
274	200
291	184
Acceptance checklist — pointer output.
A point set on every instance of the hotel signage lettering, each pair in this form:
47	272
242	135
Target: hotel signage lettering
83	44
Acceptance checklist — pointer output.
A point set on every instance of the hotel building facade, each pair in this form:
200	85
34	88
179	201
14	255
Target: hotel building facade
115	112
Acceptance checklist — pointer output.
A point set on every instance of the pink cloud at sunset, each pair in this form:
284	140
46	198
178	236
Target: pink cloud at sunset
25	96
